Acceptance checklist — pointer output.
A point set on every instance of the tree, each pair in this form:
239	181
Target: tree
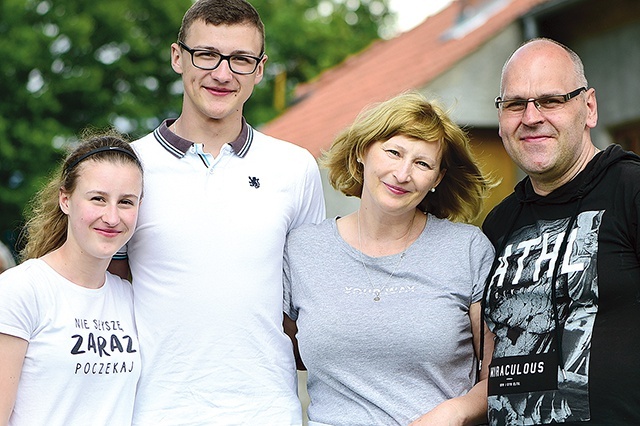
305	37
72	63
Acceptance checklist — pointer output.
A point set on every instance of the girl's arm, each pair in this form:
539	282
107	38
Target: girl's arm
12	352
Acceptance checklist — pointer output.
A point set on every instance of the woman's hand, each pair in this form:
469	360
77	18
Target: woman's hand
449	413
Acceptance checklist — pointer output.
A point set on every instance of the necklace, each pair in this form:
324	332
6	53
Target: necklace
376	292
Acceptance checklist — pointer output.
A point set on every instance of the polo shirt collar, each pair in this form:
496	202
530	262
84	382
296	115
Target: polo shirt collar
179	147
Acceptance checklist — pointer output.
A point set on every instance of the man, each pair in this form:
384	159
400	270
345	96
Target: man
206	259
562	297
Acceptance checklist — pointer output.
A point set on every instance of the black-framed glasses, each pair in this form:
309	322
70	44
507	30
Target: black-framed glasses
543	104
210	60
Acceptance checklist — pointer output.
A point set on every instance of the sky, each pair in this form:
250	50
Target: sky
413	12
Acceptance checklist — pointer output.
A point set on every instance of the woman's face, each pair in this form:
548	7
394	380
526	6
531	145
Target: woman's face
103	208
398	173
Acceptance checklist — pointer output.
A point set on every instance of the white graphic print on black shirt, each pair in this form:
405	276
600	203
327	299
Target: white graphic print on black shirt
525	381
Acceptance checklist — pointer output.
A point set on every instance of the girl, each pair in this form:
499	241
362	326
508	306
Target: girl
68	345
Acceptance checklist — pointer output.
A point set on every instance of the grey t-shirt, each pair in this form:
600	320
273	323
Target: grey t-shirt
386	362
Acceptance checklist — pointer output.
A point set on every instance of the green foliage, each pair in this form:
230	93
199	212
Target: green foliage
305	37
67	64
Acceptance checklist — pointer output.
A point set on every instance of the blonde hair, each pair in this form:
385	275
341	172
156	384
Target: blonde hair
46	227
462	191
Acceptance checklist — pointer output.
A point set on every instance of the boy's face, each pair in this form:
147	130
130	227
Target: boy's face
217	94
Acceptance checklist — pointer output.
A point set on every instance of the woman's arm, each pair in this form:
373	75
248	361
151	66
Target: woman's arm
469	409
12	353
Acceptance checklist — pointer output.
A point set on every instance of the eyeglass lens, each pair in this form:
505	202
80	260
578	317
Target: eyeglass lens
210	60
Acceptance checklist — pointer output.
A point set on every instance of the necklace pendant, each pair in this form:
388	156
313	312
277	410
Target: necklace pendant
376	299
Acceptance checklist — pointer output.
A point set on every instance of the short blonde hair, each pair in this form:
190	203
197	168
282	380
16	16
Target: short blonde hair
462	191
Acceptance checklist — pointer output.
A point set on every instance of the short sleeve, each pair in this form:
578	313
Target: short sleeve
311	208
18	304
481	258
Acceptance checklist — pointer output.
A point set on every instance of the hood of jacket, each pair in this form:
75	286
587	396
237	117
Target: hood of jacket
583	182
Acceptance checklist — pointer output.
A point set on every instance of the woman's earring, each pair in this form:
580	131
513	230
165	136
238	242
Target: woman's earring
359	160
433	189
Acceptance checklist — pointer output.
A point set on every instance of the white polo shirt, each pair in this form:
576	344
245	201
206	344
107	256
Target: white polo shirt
206	261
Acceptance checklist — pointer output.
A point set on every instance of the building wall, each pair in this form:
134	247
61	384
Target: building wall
469	88
612	66
494	161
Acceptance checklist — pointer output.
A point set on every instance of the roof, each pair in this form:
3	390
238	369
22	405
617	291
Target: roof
387	67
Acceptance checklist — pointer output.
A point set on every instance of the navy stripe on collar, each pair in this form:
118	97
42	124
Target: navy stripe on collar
178	146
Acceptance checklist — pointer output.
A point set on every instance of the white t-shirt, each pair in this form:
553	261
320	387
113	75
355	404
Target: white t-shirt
83	360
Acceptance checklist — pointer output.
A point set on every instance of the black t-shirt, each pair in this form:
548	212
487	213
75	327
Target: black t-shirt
596	301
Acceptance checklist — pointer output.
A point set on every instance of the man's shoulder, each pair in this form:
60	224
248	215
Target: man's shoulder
615	160
622	175
143	140
506	205
628	165
151	148
142	143
500	215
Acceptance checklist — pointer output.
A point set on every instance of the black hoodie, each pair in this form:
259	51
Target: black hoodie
565	307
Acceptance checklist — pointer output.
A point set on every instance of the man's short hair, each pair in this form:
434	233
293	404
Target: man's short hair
221	12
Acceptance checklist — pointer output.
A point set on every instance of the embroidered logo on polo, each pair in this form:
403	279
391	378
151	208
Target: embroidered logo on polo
254	182
524	378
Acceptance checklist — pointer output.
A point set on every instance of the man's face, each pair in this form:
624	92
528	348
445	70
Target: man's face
545	144
217	94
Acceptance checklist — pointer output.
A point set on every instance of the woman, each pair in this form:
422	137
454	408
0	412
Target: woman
386	300
68	346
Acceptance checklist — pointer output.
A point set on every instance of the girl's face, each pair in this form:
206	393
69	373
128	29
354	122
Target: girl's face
103	209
